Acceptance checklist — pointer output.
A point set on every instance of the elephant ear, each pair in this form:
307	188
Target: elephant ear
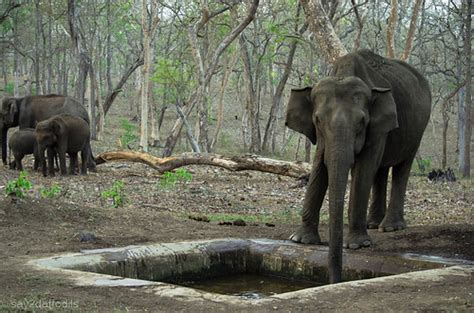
299	114
56	127
13	108
383	112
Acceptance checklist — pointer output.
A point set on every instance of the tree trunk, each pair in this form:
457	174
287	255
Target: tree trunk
465	165
320	25
392	21
220	105
38	48
411	31
251	103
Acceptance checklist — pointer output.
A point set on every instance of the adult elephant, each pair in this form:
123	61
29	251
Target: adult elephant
368	116
26	112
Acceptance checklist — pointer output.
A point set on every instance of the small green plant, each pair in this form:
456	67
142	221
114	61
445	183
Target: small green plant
129	133
169	179
115	193
424	165
183	175
53	191
19	186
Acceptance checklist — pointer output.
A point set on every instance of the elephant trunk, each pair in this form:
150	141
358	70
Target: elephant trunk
340	161
4	144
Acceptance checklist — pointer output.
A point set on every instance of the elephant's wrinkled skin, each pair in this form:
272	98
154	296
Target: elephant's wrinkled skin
63	134
26	112
368	116
23	142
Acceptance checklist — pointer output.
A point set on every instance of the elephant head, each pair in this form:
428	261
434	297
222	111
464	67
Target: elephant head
345	116
8	118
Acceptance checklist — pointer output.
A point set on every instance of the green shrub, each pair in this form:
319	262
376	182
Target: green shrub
19	186
424	165
183	175
53	191
169	179
115	193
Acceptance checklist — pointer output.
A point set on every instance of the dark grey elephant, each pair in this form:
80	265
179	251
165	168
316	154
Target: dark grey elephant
367	117
61	134
23	142
26	112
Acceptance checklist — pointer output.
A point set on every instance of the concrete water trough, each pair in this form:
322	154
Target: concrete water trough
174	269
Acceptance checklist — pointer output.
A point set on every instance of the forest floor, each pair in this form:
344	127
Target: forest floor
439	217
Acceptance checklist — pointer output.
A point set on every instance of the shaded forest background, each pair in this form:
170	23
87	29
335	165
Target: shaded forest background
214	76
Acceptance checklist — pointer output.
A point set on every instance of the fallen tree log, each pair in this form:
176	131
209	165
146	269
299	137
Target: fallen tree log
234	163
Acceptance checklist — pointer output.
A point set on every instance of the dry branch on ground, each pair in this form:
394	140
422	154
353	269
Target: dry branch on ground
232	163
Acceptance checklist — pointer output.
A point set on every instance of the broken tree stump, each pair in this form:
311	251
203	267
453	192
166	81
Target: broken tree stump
233	163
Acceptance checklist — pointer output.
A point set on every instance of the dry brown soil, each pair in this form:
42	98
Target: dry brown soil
439	218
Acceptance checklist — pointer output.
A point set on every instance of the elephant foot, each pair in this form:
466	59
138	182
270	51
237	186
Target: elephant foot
306	234
357	241
372	224
392	225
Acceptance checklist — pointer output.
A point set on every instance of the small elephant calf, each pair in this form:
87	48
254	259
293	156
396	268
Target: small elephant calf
23	142
61	134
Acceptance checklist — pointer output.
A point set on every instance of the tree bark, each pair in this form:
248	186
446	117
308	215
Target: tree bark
234	163
321	27
392	21
411	31
465	166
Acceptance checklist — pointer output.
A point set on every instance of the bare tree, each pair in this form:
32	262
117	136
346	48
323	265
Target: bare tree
206	72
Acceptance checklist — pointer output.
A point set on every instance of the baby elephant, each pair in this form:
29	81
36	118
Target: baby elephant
61	134
21	143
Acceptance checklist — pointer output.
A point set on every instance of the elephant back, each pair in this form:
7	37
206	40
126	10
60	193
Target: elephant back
39	108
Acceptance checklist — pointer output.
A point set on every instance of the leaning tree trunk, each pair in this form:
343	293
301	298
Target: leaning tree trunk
320	25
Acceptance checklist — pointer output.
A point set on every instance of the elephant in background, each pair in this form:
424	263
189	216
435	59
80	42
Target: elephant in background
368	116
23	142
61	134
26	112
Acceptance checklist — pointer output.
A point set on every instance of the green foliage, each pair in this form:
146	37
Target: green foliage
53	191
183	175
115	193
19	186
9	88
128	135
424	165
169	179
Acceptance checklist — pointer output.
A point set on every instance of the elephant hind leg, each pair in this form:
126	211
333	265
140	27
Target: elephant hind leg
85	160
72	163
378	205
394	219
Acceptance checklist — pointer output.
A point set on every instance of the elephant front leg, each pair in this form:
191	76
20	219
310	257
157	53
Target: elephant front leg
394	219
318	182
363	175
62	162
379	199
50	153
